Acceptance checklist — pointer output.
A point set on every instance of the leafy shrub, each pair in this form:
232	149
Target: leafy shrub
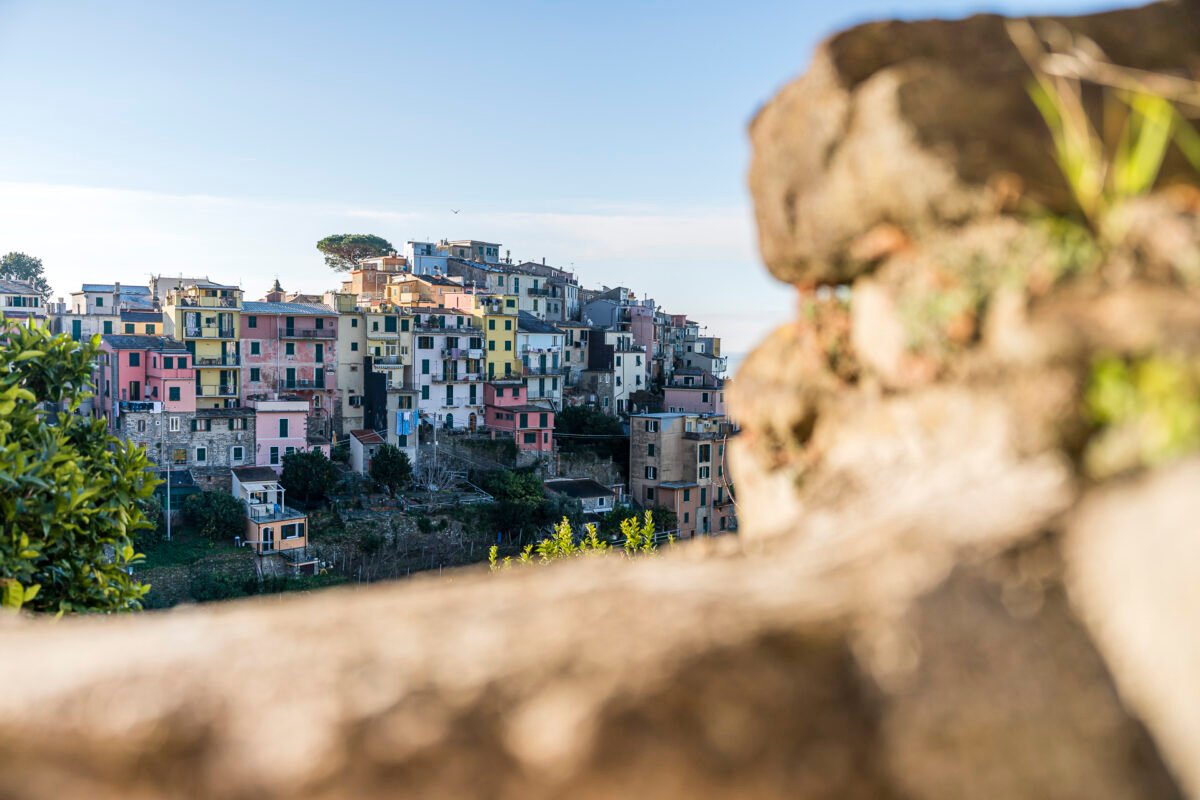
69	491
308	476
638	540
215	514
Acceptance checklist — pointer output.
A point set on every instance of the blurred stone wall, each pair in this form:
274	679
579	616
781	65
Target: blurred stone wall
953	580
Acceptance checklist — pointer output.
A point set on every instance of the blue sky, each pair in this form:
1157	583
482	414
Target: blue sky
226	138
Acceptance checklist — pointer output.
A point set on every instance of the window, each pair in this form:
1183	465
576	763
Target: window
252	322
99	302
618	361
168	362
255	374
650	450
651	473
354	323
129	327
135	359
173	424
173	394
703	496
237	424
201	455
389	324
404	324
255	348
179	455
424	366
108	326
524	420
508	324
687	495
293	530
507	344
492	345
183	363
649	492
542	421
424	392
237	454
274	456
320	323
288	451
491	324
704	472
687	517
289	349
704	452
651	426
141	426
283	429
530	438
354	347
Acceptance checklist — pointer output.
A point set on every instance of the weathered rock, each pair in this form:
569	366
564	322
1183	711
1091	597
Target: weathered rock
923	124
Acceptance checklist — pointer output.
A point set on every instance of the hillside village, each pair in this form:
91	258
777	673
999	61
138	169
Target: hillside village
428	350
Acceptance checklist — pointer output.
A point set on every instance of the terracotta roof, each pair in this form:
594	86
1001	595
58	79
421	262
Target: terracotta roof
367	436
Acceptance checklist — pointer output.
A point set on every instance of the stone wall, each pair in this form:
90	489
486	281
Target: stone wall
954	580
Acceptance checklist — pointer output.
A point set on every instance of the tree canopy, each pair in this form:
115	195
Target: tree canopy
24	267
391	469
345	251
70	492
308	476
611	439
217	515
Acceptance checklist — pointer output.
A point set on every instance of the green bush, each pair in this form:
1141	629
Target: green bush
216	515
308	476
69	491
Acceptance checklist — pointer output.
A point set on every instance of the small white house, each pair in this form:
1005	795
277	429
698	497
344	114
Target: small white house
363	446
595	497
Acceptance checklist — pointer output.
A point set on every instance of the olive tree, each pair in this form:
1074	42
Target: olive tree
70	493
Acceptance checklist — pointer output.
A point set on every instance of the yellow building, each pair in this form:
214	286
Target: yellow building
497	315
389	341
206	317
142	323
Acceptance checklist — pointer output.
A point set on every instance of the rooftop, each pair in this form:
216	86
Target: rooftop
128	315
367	436
256	474
13	286
528	323
578	487
289	309
237	411
132	341
108	287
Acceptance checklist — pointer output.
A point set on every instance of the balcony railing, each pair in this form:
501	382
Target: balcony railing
462	352
217	361
283	384
270	512
308	333
456	377
216	391
208	332
557	371
139	406
208	302
543	292
388	361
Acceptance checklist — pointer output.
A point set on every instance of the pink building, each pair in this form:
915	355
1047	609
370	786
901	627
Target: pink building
291	349
281	428
136	371
643	328
507	413
694	391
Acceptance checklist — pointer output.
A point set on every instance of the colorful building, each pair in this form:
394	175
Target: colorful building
291	349
19	300
285	425
692	390
271	526
677	462
540	346
508	413
448	367
206	317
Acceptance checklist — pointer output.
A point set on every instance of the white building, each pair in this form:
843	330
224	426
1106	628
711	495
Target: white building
448	365
540	346
19	300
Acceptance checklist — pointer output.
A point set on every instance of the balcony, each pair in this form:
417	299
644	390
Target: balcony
308	333
298	384
273	512
140	406
208	332
462	352
543	292
455	377
217	361
208	302
216	391
556	371
387	361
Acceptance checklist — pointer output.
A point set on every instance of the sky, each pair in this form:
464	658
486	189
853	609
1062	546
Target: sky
225	138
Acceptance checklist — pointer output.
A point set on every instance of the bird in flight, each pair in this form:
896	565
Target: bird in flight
455	210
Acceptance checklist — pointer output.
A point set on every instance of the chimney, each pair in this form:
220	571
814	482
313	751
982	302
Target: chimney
117	295
543	261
